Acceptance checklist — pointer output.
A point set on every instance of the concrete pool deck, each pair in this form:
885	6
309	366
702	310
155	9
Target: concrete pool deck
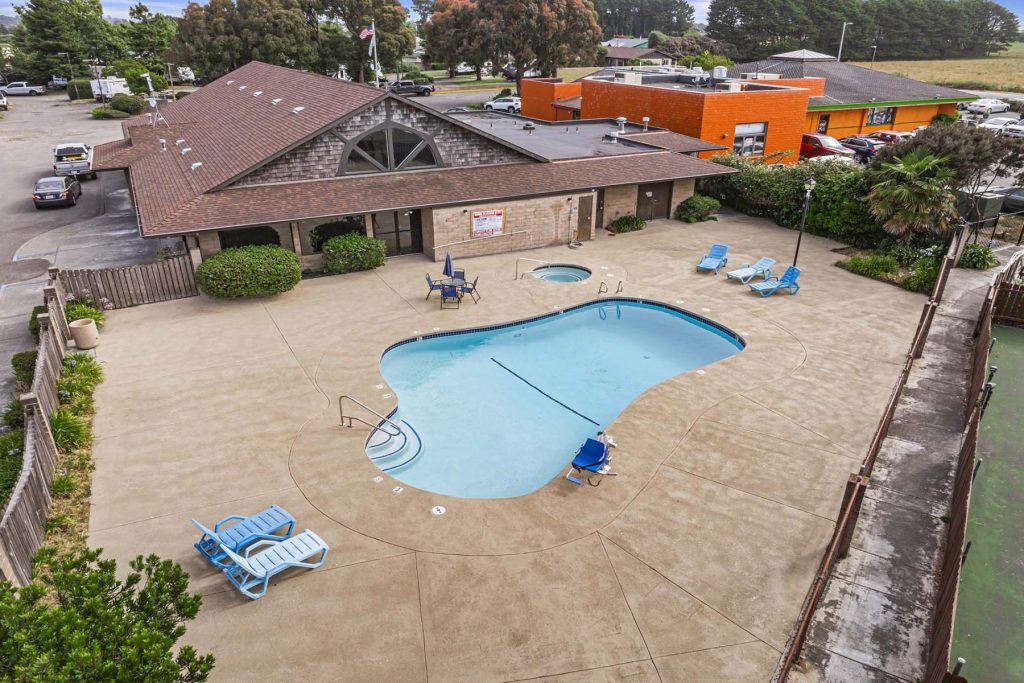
690	565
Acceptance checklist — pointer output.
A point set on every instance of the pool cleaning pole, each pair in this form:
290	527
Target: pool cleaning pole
809	185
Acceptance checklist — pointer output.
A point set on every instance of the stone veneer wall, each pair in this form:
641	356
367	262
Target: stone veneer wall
320	157
619	200
681	189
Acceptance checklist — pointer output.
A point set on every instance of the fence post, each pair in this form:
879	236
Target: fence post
33	411
50	295
856	485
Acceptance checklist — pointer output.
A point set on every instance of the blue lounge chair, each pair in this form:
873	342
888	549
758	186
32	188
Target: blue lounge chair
274	523
470	288
434	287
714	259
592	457
774	284
748	271
251	573
450	295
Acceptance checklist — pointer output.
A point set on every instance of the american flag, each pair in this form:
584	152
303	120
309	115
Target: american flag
366	33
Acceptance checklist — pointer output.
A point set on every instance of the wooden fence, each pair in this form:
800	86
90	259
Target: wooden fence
23	524
1009	304
150	283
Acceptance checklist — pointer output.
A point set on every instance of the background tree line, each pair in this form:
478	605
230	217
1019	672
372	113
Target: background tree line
901	29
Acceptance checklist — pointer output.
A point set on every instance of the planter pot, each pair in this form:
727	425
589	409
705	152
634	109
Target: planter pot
84	333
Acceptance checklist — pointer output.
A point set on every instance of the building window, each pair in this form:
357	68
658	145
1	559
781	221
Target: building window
881	116
749	139
390	147
243	237
823	124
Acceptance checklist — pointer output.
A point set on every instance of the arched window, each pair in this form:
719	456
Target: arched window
390	147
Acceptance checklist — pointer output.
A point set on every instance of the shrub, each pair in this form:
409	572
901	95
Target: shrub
924	273
697	208
24	365
129	104
352	252
108	113
325	231
14	416
69	431
904	255
252	270
78	309
978	257
80	89
33	322
11	446
79	378
871	266
504	92
182	93
629	223
62	486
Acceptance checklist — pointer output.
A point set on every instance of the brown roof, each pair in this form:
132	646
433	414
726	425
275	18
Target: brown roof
675	142
258	204
636	53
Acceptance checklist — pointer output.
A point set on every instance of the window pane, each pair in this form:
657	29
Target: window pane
405	144
423	159
750	128
358	164
376	147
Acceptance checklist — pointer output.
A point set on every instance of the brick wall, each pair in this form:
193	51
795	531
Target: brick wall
619	200
539	95
681	189
844	122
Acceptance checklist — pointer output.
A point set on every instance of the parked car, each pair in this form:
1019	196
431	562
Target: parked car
818	145
1013	198
22	88
511	105
55	191
72	159
888	137
987	106
411	88
509	72
864	148
3	102
1013	130
58	82
997	123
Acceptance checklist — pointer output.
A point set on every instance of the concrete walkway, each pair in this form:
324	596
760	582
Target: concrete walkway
690	565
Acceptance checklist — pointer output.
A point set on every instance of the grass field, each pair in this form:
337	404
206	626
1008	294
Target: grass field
1004	71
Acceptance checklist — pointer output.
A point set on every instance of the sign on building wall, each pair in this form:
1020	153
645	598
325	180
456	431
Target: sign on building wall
489	222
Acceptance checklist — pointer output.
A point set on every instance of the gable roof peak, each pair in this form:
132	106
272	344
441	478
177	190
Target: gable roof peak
804	56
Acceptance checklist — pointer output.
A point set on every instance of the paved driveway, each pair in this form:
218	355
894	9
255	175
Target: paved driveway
691	565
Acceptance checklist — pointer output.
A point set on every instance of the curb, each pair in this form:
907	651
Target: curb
448	91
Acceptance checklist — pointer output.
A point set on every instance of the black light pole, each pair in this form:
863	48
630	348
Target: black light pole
809	186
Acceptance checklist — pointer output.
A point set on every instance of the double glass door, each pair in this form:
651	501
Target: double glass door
402	231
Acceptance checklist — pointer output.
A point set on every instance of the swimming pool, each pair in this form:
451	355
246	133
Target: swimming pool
498	412
561	272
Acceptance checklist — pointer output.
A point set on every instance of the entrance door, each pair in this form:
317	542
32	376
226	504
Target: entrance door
402	231
823	124
653	200
585	218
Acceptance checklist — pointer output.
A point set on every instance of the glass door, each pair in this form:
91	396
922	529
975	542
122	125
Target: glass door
402	231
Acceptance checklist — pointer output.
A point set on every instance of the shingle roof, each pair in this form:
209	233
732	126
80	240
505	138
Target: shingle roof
257	204
635	52
849	84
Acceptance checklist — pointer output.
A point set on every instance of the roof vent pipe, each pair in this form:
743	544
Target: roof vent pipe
186	151
647	122
528	126
163	145
613	138
149	119
275	100
622	124
179	142
196	165
296	110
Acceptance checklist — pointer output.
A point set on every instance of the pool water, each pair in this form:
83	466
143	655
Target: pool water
560	272
498	413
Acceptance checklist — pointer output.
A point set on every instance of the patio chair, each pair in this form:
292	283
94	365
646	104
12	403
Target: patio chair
714	259
450	295
592	457
274	523
470	288
748	271
434	286
459	275
250	573
774	284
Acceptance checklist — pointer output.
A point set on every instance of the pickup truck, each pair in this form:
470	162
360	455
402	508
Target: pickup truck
59	82
411	88
73	158
22	88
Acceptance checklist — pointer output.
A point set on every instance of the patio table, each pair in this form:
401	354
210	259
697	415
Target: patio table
452	282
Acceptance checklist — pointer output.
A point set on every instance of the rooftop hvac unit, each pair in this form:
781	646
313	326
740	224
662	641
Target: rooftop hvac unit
629	77
729	86
760	77
719	72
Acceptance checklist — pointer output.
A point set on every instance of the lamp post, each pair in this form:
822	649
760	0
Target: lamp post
809	186
839	57
874	51
170	74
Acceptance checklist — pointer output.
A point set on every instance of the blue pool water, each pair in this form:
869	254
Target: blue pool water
498	413
560	272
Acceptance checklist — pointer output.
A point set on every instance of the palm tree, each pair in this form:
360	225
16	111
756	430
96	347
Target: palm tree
910	194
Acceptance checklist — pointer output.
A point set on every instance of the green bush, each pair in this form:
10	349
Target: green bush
874	266
978	257
504	92
14	416
696	208
924	273
352	252
904	255
253	270
69	431
80	89
325	231
129	104
24	365
108	113
628	223
182	93
79	378
11	446
63	485
79	309
33	322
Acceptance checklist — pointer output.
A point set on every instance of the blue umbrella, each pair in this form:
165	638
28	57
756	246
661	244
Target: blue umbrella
449	269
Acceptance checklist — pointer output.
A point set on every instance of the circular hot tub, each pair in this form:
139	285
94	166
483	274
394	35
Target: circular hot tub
561	272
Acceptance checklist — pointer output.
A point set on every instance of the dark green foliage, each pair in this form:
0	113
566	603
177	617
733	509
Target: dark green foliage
80	89
904	255
620	18
11	446
871	266
837	208
62	486
33	323
181	94
129	104
24	365
696	208
253	270
325	231
629	223
504	92
352	252
78	622
14	416
108	113
79	378
132	70
69	431
77	309
978	257
923	274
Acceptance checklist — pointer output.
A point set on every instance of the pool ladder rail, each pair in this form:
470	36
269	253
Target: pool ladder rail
375	427
382	427
532	260
603	288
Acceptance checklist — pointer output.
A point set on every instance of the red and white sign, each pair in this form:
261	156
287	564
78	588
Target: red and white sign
489	222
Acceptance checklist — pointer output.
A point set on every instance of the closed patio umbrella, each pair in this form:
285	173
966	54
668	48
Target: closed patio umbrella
449	269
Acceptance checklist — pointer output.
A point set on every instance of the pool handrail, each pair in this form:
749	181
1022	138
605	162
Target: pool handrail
532	260
374	427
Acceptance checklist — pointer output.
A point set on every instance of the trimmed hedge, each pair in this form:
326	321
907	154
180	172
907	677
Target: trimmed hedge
352	252
80	89
696	208
875	266
254	270
129	104
628	223
108	113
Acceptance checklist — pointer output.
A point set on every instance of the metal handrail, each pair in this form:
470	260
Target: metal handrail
618	290
343	417
532	260
602	288
485	237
